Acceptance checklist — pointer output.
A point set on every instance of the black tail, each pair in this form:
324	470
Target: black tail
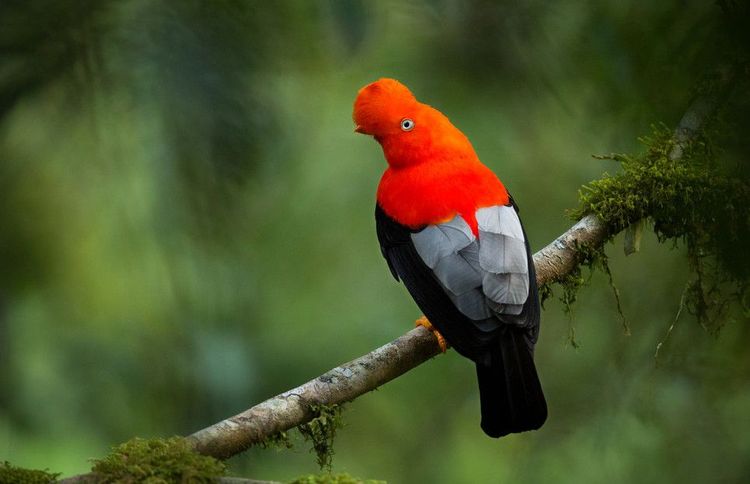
509	389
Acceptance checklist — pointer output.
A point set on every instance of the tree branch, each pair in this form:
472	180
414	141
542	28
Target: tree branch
352	379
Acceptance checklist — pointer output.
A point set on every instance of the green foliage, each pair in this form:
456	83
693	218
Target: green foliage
687	198
321	431
181	184
157	461
10	474
332	479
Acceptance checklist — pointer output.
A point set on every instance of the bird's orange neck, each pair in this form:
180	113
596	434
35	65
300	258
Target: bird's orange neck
435	191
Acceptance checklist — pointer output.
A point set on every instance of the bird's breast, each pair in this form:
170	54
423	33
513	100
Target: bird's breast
428	194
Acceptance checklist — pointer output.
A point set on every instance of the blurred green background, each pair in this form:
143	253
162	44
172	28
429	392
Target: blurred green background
186	229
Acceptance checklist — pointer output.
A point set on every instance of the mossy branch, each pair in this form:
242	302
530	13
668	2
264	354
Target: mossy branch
350	380
559	261
346	382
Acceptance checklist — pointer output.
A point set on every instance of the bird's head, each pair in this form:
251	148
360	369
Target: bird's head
409	131
385	108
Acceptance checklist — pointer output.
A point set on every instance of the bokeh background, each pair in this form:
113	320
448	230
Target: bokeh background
186	229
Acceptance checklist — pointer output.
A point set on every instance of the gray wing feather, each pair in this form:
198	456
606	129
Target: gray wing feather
472	304
502	255
456	274
484	276
506	289
512	309
500	219
502	246
435	242
468	296
451	251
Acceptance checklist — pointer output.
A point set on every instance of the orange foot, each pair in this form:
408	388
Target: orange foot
423	321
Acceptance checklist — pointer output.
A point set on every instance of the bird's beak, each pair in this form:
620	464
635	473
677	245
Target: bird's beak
359	129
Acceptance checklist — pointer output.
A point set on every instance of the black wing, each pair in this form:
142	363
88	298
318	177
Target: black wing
501	345
470	337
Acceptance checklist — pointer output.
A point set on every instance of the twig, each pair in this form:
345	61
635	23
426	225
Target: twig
671	326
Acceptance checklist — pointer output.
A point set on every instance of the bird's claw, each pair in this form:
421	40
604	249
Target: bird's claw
423	321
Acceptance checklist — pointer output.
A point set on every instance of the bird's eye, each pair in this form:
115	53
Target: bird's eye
407	124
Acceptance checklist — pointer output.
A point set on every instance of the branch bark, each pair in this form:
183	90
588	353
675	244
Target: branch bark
350	380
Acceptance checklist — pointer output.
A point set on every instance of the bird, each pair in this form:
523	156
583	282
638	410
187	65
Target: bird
450	232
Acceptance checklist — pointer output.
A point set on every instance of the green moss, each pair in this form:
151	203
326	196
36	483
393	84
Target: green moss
157	461
674	194
545	292
570	284
11	474
321	431
593	258
691	200
332	479
279	441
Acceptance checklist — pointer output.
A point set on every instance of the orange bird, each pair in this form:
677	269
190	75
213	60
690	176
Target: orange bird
450	232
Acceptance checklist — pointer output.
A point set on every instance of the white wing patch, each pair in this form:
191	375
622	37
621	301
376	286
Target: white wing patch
502	254
484	276
502	249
